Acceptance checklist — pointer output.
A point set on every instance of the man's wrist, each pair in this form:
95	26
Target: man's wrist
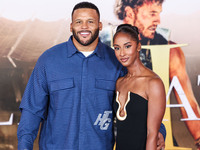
24	145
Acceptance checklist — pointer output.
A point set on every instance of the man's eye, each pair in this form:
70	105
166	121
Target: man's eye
90	22
152	14
78	22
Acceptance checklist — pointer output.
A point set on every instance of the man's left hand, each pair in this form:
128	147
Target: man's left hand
160	142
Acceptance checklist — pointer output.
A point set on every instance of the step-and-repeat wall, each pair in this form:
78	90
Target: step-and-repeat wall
29	27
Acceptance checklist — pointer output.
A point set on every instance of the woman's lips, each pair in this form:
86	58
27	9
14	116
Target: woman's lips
124	60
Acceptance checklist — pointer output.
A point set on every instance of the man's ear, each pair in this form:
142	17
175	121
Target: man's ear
100	26
130	16
71	27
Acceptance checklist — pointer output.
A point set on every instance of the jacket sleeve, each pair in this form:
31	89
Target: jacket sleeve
27	130
162	130
33	106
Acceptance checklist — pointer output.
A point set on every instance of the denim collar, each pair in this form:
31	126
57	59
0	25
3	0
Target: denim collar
72	49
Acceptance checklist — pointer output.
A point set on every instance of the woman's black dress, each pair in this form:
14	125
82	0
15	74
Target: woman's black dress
132	131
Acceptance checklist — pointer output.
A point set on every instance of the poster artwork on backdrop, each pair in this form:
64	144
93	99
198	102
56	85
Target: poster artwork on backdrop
23	41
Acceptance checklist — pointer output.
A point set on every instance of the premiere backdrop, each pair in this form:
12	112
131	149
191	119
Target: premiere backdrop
29	27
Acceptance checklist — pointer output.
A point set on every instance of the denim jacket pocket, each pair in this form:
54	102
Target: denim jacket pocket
62	93
104	93
105	84
61	84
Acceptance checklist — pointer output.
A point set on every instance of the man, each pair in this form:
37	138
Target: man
145	14
71	89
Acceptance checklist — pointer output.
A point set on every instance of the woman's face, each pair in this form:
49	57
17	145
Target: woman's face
126	49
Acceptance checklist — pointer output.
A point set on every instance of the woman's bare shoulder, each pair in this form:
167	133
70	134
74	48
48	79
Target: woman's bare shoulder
155	85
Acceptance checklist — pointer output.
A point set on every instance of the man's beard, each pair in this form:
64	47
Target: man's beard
144	33
88	42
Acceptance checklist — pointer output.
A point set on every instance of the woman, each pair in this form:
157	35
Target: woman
140	95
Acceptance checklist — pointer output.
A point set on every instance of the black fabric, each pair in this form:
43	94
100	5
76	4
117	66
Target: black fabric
132	132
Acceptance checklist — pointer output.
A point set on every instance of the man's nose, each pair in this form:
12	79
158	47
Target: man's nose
85	25
157	20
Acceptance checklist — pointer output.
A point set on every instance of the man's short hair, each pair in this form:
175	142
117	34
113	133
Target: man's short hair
120	6
85	5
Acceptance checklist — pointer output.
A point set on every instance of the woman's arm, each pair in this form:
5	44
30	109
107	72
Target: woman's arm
156	109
